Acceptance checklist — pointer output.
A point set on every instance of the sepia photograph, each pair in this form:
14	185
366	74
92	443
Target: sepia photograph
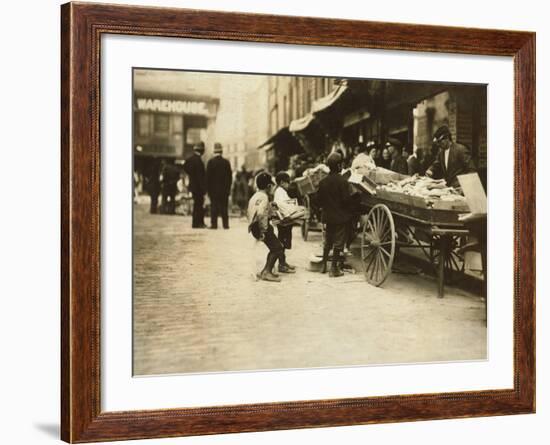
297	222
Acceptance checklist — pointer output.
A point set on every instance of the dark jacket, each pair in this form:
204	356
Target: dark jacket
170	177
414	166
399	165
194	167
334	198
459	163
218	177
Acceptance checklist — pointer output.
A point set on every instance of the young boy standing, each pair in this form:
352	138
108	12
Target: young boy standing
259	214
284	233
334	198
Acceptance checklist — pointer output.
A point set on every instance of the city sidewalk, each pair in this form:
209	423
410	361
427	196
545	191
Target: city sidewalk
198	307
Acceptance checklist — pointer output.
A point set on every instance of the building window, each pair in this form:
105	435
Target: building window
195	135
161	123
143	124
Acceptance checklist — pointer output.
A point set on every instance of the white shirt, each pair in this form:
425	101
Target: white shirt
280	196
446	153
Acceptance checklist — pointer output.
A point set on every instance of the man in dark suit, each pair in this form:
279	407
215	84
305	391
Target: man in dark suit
194	167
170	176
218	179
453	159
334	198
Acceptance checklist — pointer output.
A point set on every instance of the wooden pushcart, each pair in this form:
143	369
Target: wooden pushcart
393	222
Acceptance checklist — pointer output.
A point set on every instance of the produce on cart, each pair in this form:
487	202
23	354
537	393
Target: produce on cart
408	211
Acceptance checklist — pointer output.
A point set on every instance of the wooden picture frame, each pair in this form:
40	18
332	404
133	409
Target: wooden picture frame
82	26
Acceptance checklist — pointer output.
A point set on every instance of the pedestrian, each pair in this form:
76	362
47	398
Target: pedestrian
373	152
363	159
194	167
398	162
385	162
240	192
170	176
218	179
284	233
334	198
151	183
452	160
414	164
259	214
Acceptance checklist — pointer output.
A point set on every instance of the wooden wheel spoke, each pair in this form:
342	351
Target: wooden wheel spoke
386	233
385	264
386	252
371	260
375	266
367	256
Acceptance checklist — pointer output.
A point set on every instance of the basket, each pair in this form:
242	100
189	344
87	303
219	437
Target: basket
310	184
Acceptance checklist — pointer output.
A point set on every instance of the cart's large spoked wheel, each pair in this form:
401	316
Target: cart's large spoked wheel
378	244
454	260
305	222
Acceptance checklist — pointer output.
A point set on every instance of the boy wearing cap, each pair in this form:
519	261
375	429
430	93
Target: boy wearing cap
334	198
259	214
284	233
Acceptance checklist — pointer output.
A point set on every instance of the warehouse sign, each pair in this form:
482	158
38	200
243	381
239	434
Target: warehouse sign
172	106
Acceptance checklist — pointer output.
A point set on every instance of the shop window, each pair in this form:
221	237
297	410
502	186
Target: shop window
161	123
195	135
143	124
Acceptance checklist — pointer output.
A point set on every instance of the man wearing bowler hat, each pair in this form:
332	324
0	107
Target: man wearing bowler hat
453	159
194	167
218	180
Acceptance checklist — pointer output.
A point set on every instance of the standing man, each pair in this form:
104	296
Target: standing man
218	178
170	175
194	167
152	183
453	159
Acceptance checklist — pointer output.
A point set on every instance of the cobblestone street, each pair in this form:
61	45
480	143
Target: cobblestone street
199	308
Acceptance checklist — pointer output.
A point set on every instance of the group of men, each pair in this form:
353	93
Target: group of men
335	199
215	179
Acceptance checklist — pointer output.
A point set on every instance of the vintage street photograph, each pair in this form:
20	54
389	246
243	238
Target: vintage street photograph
296	222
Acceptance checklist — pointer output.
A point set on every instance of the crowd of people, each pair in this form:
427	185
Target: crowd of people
257	195
336	200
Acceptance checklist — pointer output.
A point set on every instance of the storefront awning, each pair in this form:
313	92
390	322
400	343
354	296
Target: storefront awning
283	143
276	137
329	100
300	124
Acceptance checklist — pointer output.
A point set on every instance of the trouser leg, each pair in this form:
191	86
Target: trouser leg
198	210
154	202
214	210
225	211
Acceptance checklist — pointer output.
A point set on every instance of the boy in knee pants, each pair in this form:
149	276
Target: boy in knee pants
258	224
284	233
334	198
